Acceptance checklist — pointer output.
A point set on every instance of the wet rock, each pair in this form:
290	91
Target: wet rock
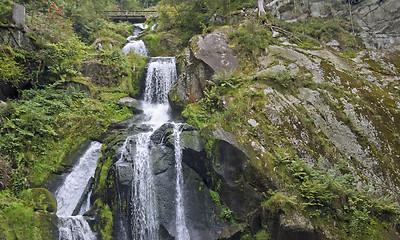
161	134
132	104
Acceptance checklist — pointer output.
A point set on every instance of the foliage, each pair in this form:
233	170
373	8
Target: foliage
250	39
18	220
314	31
226	214
280	200
188	18
60	52
48	22
42	127
215	198
5	10
284	79
152	41
12	70
105	224
115	32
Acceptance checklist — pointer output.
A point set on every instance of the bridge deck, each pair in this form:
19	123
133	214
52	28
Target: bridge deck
131	16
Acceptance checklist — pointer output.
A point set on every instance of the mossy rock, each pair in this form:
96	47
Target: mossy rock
43	200
46	224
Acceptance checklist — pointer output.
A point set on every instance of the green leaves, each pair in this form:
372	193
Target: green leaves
11	70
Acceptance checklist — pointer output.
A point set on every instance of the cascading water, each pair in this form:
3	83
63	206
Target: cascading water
182	232
134	45
161	73
144	215
69	194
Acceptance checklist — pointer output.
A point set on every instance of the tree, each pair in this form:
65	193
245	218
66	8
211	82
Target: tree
261	10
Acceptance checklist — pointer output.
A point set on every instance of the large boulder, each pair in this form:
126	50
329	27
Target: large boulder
204	57
100	74
18	16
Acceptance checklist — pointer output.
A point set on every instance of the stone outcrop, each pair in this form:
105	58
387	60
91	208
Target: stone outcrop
18	16
100	74
205	56
379	20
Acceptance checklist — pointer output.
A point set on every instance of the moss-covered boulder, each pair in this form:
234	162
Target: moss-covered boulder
43	200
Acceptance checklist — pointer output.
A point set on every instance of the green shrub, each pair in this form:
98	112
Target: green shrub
5	10
215	198
283	78
11	71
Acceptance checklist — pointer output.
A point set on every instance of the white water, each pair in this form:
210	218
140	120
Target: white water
68	195
74	185
134	45
144	220
161	73
182	232
74	228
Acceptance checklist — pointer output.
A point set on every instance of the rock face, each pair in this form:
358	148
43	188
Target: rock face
199	209
18	16
99	73
205	56
379	20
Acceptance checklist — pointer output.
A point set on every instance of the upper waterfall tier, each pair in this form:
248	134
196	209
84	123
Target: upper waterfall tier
136	46
161	73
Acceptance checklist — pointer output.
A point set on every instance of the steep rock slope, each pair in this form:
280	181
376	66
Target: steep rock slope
319	127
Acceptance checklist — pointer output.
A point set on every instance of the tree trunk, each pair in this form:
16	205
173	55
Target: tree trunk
261	10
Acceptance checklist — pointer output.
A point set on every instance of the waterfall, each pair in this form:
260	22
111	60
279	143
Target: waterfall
161	73
71	191
182	232
134	45
144	220
74	227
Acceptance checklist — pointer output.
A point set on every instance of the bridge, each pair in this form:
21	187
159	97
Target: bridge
130	16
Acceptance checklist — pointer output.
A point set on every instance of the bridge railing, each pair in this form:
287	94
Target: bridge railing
130	13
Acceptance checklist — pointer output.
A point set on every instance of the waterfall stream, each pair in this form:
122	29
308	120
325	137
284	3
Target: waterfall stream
70	193
134	45
140	222
182	232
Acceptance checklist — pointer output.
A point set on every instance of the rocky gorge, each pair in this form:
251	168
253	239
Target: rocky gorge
282	126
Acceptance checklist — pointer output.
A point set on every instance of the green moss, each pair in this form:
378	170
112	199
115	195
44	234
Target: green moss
153	44
43	199
105	224
102	185
215	198
18	220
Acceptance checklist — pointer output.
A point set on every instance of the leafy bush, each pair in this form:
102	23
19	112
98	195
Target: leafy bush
5	10
11	71
250	40
283	78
